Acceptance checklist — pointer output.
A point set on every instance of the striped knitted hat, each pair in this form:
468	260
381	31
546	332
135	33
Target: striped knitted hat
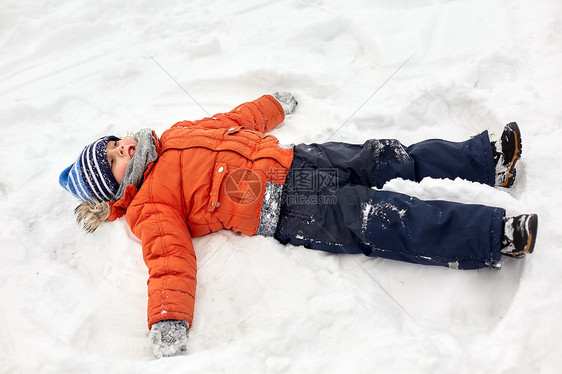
90	177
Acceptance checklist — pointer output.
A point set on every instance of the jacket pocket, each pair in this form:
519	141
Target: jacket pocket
218	175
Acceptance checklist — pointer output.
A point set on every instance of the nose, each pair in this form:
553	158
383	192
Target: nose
117	152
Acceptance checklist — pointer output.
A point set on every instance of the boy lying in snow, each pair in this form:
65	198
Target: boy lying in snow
224	172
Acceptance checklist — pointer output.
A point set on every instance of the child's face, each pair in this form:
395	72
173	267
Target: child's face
119	153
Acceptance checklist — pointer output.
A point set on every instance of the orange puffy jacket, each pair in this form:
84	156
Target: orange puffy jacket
184	195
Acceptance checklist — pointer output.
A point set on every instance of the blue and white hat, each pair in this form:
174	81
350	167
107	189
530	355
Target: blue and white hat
90	177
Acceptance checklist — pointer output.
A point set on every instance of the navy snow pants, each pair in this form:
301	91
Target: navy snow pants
328	203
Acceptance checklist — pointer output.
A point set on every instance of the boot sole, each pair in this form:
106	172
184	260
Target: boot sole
510	172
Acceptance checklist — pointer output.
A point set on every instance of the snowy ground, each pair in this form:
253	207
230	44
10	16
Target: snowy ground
71	71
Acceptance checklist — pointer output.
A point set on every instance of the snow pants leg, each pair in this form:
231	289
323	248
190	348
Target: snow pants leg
328	202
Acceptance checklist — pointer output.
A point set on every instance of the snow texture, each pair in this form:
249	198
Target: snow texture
71	72
381	210
508	235
391	145
271	206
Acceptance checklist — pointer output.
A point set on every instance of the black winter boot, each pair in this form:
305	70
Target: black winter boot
519	235
507	150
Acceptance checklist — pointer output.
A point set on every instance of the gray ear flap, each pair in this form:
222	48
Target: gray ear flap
91	214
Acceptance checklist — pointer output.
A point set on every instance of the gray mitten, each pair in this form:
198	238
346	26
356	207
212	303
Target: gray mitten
169	338
287	101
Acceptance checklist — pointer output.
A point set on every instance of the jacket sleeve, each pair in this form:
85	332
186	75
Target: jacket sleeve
261	115
169	255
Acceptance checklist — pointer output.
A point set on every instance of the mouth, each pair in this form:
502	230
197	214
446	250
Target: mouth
132	152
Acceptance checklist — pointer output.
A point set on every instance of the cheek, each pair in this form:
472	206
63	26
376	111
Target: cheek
119	170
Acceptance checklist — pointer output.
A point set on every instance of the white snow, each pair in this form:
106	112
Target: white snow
72	71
